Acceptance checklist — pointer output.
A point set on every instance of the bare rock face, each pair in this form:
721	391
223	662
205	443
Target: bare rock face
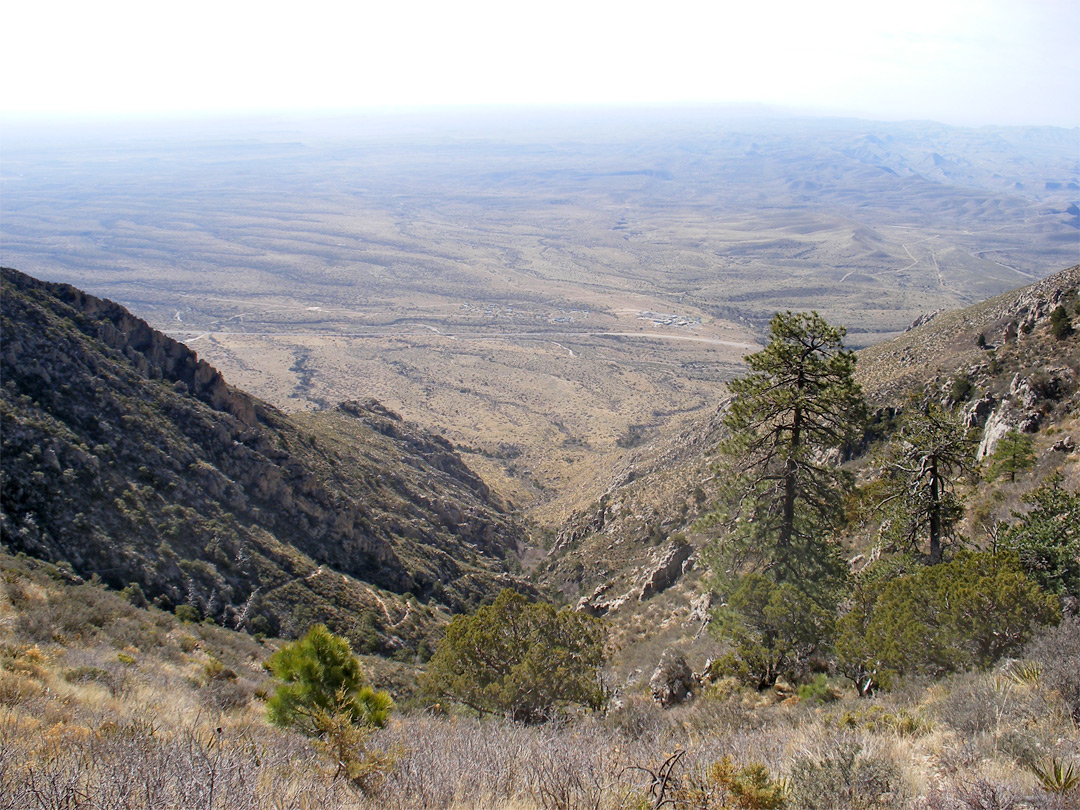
666	568
977	412
1003	419
672	682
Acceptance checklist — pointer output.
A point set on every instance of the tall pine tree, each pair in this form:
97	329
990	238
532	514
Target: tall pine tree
780	574
789	419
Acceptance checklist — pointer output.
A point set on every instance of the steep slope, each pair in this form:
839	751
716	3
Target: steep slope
130	459
1018	376
1014	331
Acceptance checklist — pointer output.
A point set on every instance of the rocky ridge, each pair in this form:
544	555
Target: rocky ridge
128	458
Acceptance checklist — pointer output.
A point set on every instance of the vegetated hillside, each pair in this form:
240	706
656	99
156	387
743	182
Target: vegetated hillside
620	553
105	703
128	458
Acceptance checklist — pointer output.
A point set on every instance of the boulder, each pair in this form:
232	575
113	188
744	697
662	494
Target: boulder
672	682
1066	445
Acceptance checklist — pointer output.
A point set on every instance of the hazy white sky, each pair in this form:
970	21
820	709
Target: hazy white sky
957	61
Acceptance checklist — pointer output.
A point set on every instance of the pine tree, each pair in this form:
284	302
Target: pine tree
1047	538
789	418
1013	454
931	451
323	686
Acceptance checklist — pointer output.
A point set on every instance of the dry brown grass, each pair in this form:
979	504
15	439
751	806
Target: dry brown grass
99	722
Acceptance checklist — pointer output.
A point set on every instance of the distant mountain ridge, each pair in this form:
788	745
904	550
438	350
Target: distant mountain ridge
129	458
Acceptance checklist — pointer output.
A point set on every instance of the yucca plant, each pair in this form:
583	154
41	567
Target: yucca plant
1055	776
1024	673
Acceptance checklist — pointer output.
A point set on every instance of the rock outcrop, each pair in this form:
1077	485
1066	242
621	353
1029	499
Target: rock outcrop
923	319
665	569
662	570
976	413
601	601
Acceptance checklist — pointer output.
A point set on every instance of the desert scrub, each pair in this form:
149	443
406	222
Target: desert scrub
222	689
880	720
842	774
979	703
1056	652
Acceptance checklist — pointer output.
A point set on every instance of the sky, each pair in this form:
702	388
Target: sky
966	62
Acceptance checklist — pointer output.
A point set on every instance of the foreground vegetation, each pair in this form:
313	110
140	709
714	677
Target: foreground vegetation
103	704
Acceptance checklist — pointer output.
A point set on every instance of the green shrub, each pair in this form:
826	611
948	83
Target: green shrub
1061	325
960	389
817	691
878	719
774	630
727	786
89	674
943	618
321	682
526	661
187	613
134	594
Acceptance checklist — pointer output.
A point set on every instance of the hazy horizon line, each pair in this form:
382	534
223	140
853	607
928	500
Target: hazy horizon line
479	111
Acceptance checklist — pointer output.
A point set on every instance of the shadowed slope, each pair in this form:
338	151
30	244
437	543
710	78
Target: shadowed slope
128	457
